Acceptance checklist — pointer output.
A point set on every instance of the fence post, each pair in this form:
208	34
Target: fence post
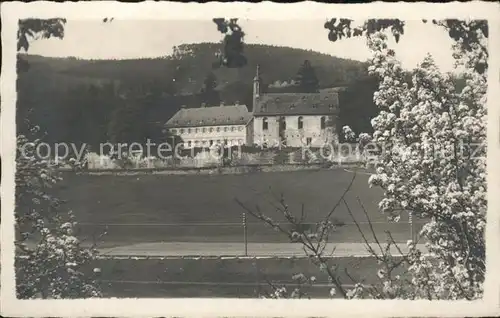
245	232
412	230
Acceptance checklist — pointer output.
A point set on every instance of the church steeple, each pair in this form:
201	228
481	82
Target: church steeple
256	83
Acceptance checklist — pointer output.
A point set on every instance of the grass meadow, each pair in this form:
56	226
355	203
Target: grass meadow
203	208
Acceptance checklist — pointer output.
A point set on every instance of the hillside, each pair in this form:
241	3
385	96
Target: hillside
195	61
75	100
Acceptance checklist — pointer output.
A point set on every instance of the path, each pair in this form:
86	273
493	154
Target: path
161	249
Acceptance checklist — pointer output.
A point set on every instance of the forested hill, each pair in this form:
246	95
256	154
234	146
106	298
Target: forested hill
96	101
191	63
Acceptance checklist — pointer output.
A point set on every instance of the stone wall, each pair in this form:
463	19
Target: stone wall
241	157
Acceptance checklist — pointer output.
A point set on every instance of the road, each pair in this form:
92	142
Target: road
179	249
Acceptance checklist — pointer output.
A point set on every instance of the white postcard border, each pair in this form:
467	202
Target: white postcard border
11	306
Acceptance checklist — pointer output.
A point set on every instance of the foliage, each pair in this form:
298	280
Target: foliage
29	29
433	164
466	34
127	123
356	104
306	78
210	82
50	261
232	55
342	28
210	95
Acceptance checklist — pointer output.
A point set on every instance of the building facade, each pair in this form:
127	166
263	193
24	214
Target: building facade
205	127
294	119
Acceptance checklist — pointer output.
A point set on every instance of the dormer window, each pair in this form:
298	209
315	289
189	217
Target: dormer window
315	105
331	106
292	106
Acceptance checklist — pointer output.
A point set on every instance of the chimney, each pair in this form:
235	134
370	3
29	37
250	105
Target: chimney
203	105
222	103
237	103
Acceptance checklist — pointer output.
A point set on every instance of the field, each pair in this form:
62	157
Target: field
150	207
233	277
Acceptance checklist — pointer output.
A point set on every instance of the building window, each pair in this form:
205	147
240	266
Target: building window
196	130
211	142
204	130
323	122
300	123
232	128
189	144
225	128
283	123
173	131
218	129
309	140
265	125
240	128
211	129
189	130
182	130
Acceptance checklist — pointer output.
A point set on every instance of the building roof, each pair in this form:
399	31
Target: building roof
297	104
210	116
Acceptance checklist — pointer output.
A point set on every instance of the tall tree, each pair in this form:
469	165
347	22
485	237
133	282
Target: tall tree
210	82
356	104
127	123
306	78
232	55
209	95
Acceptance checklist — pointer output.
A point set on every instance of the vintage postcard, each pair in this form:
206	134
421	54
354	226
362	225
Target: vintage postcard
247	160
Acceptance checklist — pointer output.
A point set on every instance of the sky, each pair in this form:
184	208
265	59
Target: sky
124	39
